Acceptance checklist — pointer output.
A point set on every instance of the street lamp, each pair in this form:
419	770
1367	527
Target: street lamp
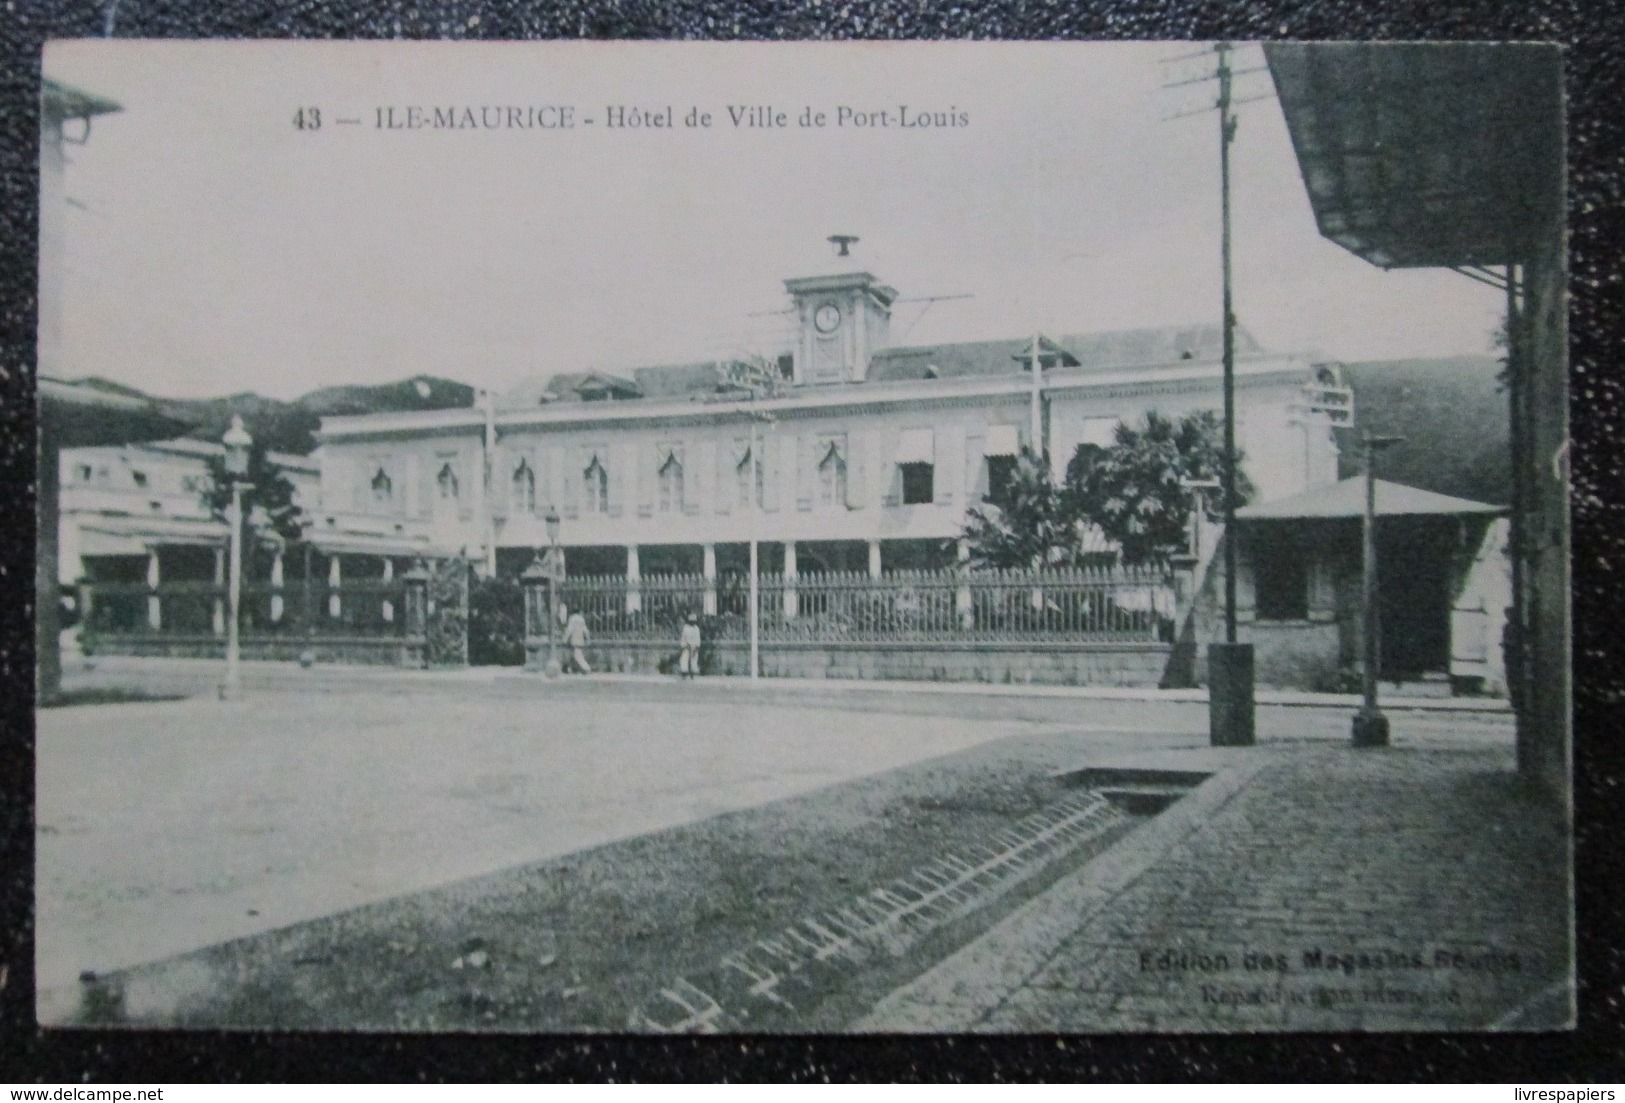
554	575
1370	725
237	443
757	467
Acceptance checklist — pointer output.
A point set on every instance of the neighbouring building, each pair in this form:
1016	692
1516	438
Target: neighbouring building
1444	589
136	512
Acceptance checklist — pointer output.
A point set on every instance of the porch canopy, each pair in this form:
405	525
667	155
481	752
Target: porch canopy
1426	154
1346	499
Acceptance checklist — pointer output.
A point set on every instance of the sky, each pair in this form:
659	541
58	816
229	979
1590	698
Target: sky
214	247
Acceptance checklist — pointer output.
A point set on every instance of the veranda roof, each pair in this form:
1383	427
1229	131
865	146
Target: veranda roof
1347	499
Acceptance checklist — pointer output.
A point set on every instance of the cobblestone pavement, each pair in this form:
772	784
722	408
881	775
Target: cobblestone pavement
1303	889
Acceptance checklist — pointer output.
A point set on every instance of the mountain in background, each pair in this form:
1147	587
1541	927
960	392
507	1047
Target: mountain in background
1453	415
291	426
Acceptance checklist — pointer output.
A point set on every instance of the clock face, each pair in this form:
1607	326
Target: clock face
827	318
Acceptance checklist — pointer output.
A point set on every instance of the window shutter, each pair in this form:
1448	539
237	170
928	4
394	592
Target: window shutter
893	495
543	480
649	461
573	475
806	460
857	454
772	471
975	471
621	463
701	474
948	464
356	486
557	469
724	474
411	491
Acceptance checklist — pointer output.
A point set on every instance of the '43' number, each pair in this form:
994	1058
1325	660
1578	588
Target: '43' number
307	118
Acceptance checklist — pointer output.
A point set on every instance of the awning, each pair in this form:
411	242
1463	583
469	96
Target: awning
1099	431
1426	154
917	446
95	543
1002	440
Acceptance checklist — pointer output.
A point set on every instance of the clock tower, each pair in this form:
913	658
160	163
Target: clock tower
842	319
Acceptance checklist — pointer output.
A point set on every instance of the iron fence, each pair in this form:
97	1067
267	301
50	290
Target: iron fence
1107	605
360	608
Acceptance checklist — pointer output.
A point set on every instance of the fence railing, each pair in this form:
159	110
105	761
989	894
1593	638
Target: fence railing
360	608
964	607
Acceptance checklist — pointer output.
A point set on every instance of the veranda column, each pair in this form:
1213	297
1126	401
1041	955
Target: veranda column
634	575
387	607
276	587
219	619
708	567
874	559
155	615
791	605
335	576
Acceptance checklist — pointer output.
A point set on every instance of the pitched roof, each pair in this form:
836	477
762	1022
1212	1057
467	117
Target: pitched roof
1347	499
1113	349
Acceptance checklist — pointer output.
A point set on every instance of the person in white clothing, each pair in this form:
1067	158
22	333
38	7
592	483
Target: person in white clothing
688	657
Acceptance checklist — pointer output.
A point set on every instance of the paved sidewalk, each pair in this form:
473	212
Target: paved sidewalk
1300	888
198	675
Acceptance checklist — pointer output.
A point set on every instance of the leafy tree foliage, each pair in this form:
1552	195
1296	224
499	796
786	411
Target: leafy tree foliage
1133	489
1131	493
1028	525
268	504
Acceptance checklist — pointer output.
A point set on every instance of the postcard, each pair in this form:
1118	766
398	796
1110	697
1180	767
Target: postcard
564	537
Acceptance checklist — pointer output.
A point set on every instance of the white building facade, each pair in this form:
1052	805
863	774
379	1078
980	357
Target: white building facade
848	454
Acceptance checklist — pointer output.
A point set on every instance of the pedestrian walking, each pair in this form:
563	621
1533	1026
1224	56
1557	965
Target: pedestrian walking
576	637
688	655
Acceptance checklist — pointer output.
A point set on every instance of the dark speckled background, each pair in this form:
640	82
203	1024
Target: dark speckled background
1591	29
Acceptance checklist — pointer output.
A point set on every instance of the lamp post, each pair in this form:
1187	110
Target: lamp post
237	443
1370	725
555	575
757	466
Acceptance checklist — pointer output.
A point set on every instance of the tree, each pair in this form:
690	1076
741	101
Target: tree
1133	489
268	504
1029	525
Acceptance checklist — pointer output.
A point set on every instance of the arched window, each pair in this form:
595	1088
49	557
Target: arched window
383	488
748	480
671	485
447	481
595	487
832	479
524	488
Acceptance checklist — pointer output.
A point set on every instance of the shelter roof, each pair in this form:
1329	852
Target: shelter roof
64	101
1346	499
1426	154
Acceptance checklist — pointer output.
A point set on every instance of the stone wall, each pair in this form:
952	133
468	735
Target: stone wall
1139	665
407	652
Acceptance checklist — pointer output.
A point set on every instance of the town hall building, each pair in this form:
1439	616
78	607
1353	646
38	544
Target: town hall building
847	453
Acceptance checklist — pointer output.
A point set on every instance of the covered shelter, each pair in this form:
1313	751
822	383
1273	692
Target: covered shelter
1442	578
1451	156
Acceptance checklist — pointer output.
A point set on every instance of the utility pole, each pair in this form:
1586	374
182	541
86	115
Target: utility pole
1230	664
488	521
1037	413
1227	134
1370	725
